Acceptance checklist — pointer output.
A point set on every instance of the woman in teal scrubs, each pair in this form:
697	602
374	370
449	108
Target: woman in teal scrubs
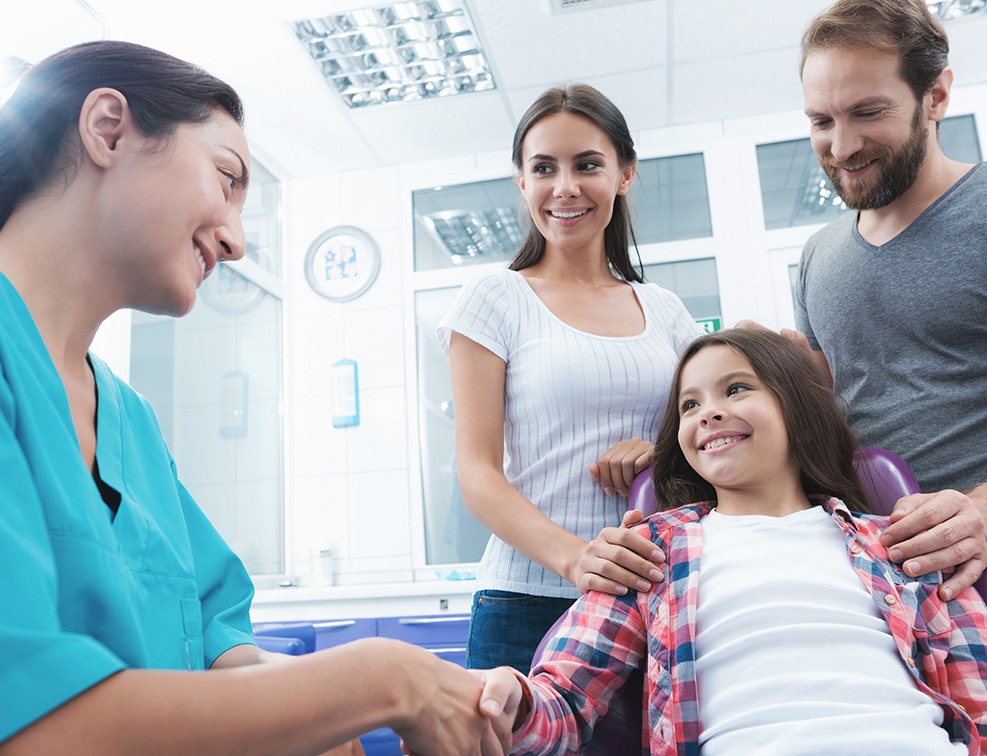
123	172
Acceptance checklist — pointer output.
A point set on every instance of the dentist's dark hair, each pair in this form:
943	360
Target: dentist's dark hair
591	104
39	142
818	435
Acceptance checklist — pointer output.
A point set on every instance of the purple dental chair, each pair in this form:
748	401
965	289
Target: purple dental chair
885	477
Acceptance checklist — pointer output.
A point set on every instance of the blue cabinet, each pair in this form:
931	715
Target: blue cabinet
443	635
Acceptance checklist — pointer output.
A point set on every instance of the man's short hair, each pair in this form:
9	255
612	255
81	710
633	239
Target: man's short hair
904	28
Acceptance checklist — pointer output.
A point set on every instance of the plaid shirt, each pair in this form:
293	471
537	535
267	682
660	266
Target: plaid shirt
603	638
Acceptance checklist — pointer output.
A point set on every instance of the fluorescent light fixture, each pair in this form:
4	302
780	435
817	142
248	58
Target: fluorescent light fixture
396	53
555	7
493	233
949	10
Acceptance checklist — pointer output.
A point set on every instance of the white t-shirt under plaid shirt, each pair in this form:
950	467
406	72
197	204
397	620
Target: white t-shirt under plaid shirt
569	396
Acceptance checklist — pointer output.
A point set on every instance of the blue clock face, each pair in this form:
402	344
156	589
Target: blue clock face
342	263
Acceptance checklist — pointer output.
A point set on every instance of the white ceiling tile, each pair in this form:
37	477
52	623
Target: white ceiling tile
762	82
406	132
529	48
718	29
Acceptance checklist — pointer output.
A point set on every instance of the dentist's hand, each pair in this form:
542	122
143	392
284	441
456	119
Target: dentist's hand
444	716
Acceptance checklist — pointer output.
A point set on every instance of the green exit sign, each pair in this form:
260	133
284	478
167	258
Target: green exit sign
710	325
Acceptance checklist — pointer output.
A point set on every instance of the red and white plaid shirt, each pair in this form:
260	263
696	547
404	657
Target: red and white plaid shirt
603	638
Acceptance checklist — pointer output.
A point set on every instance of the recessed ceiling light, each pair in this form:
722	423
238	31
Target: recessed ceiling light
396	53
948	10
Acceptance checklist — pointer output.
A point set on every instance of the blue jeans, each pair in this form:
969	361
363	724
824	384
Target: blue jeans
506	628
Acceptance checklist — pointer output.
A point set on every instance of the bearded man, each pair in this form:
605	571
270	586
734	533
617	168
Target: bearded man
892	298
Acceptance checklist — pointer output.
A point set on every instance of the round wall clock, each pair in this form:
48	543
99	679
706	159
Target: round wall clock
228	292
342	263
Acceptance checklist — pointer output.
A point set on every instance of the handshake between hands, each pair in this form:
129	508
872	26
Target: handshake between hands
468	713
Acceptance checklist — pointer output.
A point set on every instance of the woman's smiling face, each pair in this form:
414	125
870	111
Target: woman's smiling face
181	200
570	177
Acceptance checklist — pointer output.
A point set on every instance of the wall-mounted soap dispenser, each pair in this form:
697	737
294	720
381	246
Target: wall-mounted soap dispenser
345	394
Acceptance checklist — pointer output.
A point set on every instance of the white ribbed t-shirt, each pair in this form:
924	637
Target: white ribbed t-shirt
569	396
792	655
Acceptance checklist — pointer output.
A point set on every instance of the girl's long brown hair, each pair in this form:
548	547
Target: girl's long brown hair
818	435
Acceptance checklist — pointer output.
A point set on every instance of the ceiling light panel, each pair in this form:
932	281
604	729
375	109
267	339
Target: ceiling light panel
948	10
396	53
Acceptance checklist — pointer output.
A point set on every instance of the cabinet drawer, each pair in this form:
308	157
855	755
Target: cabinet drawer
301	631
451	629
336	632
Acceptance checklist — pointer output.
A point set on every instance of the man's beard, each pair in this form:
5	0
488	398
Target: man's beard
898	170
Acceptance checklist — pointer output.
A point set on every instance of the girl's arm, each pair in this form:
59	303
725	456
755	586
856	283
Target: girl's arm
557	707
615	561
302	705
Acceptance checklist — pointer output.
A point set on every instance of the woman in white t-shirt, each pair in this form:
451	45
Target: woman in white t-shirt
560	365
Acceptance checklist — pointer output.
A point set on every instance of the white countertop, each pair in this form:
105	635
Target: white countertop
363	591
429	597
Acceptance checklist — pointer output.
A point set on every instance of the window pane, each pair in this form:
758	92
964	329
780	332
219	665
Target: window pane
262	219
795	190
672	200
478	223
452	534
465	224
793	284
214	380
695	283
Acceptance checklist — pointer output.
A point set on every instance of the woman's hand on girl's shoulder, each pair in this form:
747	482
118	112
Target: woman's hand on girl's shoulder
619	465
616	561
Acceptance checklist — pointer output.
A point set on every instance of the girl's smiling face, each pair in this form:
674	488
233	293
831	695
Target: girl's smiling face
731	427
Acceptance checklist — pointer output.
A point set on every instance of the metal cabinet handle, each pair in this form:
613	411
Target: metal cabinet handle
333	625
430	620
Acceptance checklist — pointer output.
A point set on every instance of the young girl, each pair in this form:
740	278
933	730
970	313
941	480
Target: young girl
783	627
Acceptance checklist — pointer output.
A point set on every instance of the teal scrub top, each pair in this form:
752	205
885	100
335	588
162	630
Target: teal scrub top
84	593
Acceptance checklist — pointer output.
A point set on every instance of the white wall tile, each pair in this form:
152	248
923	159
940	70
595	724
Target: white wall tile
315	343
380	442
319	448
369	199
375	339
320	519
379	522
